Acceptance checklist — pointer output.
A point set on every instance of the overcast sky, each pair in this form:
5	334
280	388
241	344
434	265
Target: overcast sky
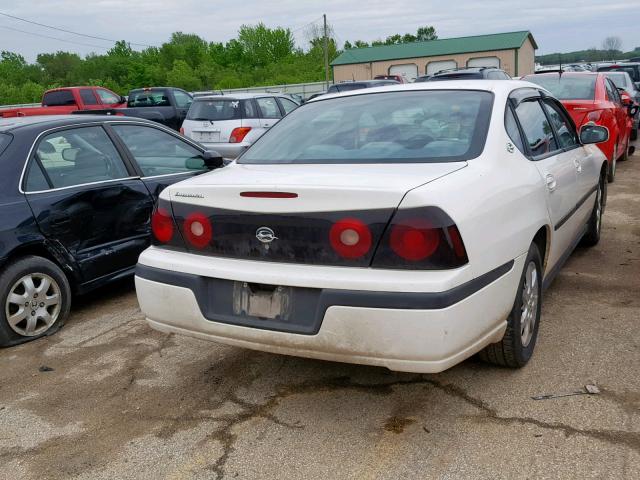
557	25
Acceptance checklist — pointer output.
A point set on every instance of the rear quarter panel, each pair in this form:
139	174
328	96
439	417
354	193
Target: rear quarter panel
498	201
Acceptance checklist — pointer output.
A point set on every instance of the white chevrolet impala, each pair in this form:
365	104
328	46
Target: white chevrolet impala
407	226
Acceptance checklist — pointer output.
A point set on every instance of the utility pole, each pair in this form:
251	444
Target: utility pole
326	52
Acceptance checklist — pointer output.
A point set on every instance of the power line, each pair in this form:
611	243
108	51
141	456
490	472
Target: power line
53	38
69	31
306	25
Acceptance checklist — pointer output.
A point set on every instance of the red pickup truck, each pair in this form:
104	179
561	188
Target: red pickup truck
61	101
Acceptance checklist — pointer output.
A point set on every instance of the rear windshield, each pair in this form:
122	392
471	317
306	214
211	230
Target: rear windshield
390	127
456	76
148	98
632	70
620	79
221	109
567	87
58	98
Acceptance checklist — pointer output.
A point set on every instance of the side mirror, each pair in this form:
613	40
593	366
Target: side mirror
212	159
633	109
123	99
593	134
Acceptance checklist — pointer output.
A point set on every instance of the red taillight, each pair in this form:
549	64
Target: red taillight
350	238
456	242
198	230
181	130
414	240
238	134
162	225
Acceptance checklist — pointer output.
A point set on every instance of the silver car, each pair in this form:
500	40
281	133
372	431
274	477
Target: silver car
229	124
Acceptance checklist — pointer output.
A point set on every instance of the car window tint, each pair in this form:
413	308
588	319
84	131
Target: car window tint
158	152
148	98
108	97
183	100
88	97
268	107
389	127
77	156
249	109
536	127
36	180
513	131
57	98
288	105
565	133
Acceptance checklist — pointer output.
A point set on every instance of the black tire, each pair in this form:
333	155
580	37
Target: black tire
594	226
611	175
512	351
57	297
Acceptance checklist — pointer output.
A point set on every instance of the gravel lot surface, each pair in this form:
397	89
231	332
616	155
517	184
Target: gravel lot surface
123	401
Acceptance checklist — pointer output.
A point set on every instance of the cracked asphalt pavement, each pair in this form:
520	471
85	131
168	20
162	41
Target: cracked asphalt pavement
119	400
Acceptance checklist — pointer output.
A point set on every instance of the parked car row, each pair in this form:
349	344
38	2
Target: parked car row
165	105
339	234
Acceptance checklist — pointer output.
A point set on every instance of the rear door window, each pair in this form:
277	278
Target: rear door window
74	157
58	98
536	127
88	97
148	98
268	107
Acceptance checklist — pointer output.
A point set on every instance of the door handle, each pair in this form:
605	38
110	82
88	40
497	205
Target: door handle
551	182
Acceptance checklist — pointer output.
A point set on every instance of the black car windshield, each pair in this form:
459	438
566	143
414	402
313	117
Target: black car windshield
567	87
216	109
456	76
390	127
632	70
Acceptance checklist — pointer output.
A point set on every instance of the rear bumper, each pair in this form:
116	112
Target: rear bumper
415	331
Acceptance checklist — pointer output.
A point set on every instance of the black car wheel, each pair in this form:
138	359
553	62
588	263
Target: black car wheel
516	347
36	299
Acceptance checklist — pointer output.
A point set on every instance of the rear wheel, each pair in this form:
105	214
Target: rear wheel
35	299
612	166
592	236
516	347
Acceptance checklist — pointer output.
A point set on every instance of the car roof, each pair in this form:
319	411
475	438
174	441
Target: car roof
504	86
238	96
14	123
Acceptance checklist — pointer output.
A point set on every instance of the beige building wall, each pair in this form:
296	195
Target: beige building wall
526	58
366	71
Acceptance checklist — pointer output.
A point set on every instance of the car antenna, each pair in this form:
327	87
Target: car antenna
560	59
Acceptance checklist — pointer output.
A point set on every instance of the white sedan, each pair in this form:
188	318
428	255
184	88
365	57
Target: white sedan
408	227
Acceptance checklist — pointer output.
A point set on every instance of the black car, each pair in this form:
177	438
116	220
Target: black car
471	73
348	86
76	194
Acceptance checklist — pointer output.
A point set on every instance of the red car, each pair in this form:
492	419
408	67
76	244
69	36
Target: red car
593	98
63	101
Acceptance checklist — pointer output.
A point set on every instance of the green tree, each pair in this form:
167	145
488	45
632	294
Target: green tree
426	33
262	45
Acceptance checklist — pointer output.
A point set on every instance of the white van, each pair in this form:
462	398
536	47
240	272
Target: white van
229	124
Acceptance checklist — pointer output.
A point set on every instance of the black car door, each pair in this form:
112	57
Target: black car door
87	200
161	158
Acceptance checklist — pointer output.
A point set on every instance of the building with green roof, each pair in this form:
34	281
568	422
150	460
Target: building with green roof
513	52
